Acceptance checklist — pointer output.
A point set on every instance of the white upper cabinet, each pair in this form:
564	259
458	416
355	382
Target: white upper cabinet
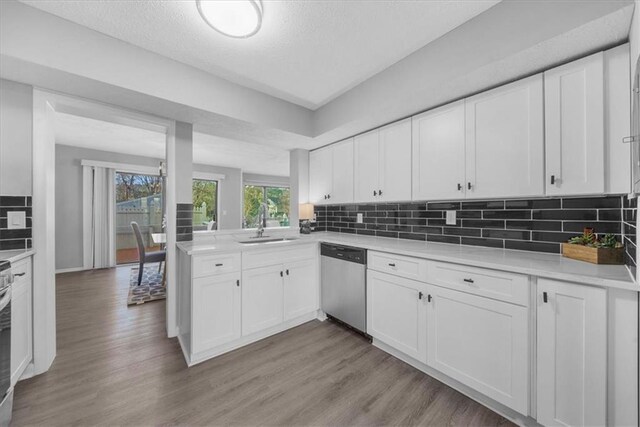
320	175
382	164
505	141
571	354
331	174
438	153
574	123
395	162
342	174
366	163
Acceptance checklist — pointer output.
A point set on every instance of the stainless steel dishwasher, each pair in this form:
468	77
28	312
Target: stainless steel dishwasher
343	283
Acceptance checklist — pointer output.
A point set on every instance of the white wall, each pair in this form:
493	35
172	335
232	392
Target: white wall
16	127
634	39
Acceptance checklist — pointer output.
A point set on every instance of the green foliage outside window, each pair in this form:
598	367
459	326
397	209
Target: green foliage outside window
276	198
205	201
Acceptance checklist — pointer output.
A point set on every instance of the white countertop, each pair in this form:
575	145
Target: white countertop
531	263
16	255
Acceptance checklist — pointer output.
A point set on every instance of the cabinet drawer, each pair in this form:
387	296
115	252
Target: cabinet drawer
273	255
398	265
208	265
508	287
22	270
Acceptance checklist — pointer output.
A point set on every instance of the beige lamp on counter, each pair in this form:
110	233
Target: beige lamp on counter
305	211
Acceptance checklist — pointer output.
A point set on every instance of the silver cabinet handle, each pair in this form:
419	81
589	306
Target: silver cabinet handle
468	280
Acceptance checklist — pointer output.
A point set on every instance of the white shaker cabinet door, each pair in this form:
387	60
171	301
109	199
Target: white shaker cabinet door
320	175
571	354
21	327
574	127
480	342
505	141
395	162
342	179
216	311
262	298
366	161
439	153
301	288
396	313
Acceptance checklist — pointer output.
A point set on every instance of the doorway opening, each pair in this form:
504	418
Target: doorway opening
139	199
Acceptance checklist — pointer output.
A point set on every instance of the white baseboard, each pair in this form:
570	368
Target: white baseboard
71	270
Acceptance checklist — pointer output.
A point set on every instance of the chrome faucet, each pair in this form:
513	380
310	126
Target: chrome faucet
262	219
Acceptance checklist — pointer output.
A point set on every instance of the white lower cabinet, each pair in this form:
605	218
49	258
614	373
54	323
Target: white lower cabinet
300	288
216	311
21	326
571	354
396	313
277	293
262	298
481	342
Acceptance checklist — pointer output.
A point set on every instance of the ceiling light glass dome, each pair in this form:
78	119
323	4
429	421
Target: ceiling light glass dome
233	18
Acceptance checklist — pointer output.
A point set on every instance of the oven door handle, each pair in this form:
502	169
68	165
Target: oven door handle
5	298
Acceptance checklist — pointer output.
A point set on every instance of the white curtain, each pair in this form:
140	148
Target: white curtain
98	217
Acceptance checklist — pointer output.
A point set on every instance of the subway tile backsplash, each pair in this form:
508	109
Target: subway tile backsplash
184	222
15	238
539	225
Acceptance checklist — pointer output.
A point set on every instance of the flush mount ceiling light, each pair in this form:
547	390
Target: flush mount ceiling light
233	18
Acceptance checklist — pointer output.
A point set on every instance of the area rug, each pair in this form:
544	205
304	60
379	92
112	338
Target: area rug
150	288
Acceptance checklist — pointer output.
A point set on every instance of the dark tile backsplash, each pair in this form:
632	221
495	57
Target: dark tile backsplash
533	225
15	238
184	222
629	215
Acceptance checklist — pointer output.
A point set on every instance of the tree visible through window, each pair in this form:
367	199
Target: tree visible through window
205	204
277	200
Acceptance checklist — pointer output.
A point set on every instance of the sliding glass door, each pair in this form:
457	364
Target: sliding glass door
139	199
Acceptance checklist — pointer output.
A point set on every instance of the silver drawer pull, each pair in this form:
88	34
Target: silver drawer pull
468	280
391	264
219	265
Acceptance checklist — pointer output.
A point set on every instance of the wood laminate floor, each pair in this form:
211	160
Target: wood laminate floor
116	367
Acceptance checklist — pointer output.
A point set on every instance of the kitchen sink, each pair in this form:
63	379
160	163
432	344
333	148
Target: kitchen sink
259	240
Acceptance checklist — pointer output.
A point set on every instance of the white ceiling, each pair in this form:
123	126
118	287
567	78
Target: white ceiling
95	134
307	52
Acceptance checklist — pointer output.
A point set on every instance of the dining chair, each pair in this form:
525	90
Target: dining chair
143	256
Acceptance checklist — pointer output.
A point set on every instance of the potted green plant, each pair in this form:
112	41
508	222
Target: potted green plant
588	247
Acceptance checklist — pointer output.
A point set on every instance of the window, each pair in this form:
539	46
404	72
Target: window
277	200
205	204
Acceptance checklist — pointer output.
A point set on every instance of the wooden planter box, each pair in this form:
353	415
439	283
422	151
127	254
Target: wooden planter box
593	255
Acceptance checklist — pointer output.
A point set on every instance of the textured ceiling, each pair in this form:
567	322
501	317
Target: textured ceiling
307	52
207	149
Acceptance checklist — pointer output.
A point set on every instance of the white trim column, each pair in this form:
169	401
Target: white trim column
179	191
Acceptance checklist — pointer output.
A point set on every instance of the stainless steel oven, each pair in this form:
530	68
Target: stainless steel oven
6	392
